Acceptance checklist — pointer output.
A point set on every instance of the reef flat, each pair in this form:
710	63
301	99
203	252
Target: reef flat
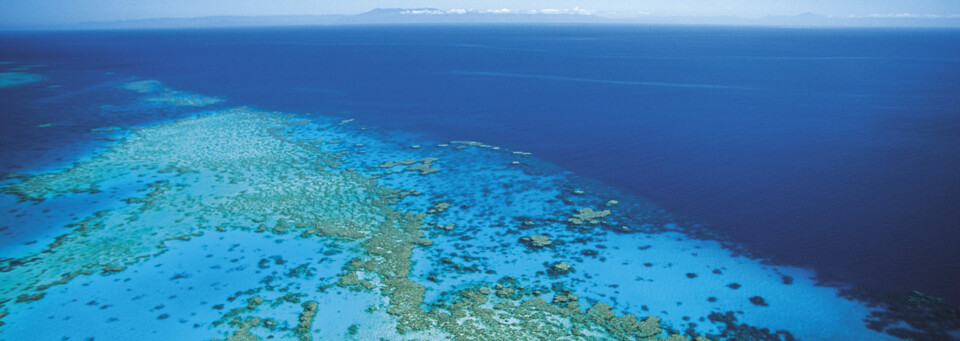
238	169
240	224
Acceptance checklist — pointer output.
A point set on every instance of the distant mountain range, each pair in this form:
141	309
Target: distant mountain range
504	16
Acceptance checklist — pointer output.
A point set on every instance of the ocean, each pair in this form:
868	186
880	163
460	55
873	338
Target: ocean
829	154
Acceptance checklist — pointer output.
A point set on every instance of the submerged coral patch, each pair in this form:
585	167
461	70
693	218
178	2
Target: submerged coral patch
11	79
164	95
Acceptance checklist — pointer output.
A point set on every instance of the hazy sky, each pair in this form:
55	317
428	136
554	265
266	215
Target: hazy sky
26	12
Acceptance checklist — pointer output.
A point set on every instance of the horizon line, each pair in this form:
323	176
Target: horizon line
413	16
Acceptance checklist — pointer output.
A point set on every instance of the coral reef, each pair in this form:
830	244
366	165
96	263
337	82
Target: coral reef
11	79
423	166
587	216
241	170
243	331
514	318
306	320
917	316
742	331
438	208
560	268
536	241
234	149
163	95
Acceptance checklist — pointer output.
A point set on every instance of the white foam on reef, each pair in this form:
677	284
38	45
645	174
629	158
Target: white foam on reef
303	229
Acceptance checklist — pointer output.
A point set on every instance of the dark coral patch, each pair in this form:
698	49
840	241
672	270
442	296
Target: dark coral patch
757	300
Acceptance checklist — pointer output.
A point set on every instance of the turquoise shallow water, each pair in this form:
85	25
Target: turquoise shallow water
306	212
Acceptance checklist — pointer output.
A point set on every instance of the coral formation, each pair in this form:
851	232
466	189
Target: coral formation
256	177
424	166
438	208
560	268
588	216
163	95
514	318
306	320
742	331
759	301
917	316
234	149
536	241
243	330
10	79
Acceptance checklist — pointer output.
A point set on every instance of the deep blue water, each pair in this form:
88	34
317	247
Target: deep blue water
834	149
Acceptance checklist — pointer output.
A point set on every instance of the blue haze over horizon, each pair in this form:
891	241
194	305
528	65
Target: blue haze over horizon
24	13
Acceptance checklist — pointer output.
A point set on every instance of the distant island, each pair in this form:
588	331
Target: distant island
391	16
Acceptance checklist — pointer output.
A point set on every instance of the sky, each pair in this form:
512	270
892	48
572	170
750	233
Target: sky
47	12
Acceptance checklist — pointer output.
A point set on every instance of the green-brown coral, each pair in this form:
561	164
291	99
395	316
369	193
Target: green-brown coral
256	178
588	216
